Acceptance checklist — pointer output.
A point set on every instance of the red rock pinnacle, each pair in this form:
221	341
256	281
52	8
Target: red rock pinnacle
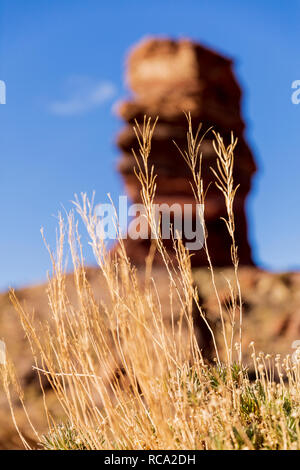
167	78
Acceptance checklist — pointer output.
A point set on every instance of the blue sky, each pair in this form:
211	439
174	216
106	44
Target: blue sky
62	61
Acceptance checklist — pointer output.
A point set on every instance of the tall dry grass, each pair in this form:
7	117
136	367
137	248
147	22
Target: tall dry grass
128	375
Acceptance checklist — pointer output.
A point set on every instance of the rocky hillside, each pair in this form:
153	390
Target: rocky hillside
271	319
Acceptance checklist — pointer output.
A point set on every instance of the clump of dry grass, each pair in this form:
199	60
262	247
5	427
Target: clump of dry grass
128	376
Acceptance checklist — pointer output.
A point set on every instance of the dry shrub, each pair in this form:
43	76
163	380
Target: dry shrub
128	376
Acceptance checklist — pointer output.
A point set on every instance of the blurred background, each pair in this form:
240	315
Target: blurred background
63	65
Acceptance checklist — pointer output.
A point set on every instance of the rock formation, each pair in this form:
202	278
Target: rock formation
167	78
